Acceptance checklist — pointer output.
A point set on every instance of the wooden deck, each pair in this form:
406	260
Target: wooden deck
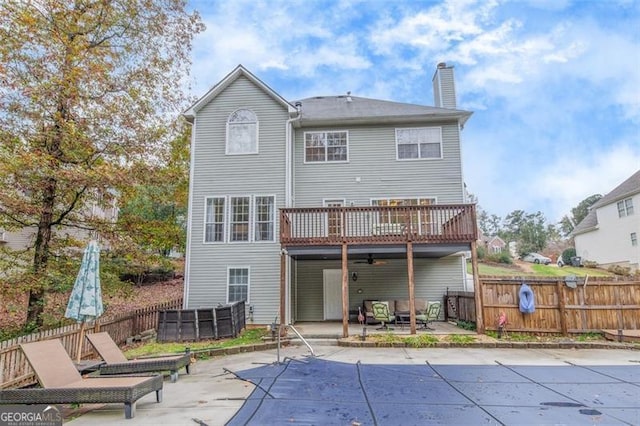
430	224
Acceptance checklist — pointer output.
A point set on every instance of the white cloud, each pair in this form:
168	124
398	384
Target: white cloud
555	85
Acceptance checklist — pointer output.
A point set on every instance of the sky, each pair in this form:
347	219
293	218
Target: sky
554	85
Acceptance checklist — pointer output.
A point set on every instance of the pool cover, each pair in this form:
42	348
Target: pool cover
320	392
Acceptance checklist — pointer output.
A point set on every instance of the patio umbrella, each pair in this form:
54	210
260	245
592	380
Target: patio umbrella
85	303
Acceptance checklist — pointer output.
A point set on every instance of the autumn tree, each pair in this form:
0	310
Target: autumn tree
87	89
154	215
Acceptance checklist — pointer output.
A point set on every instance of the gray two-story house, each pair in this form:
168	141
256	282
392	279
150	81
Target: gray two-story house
305	209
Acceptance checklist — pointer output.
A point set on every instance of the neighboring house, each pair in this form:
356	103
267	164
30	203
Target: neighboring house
23	238
609	233
494	244
305	209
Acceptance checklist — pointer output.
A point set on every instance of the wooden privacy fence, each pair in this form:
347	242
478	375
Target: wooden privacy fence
594	304
16	371
460	305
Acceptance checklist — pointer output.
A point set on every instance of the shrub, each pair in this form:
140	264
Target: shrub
481	252
619	270
590	264
567	255
502	257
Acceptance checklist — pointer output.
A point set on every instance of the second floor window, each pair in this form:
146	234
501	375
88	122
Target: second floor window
239	218
322	147
625	207
264	218
419	143
214	220
242	133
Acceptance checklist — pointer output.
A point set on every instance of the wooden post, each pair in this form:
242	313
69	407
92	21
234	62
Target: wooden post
345	291
283	286
477	289
412	292
561	307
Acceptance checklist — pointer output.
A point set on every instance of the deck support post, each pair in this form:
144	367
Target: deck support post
345	291
477	288
412	287
283	286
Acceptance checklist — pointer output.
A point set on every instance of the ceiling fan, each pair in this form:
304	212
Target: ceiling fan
371	261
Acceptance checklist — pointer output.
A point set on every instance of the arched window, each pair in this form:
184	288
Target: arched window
242	132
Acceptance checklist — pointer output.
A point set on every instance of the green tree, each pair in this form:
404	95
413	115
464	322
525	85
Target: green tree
87	87
578	213
529	230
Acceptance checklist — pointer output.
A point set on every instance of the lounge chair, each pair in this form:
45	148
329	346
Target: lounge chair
62	383
381	313
117	363
431	314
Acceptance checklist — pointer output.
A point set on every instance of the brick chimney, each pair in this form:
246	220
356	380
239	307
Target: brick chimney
444	88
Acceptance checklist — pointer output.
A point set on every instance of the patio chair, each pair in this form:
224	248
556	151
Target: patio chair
381	313
117	363
431	314
62	383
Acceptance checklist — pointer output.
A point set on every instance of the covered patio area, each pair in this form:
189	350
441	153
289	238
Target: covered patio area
333	329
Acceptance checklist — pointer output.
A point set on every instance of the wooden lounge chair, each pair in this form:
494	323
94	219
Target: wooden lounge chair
117	363
62	383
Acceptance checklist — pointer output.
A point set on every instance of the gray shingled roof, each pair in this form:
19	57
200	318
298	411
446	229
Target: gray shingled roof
347	108
626	189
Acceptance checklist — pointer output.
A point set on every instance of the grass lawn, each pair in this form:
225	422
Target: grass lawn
247	337
538	270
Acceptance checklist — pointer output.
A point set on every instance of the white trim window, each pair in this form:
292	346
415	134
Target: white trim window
238	284
242	133
264	218
419	143
214	218
239	219
324	147
625	207
634	239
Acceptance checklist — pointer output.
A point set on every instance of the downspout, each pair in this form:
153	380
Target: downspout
289	157
187	255
288	202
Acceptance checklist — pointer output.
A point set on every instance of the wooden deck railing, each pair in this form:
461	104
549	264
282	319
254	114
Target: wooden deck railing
437	224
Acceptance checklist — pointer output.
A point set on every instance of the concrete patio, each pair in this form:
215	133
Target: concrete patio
211	395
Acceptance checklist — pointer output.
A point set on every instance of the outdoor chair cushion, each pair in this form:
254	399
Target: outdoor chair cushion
62	383
117	363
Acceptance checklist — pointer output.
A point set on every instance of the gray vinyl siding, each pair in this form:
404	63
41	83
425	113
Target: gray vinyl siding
372	159
384	282
217	174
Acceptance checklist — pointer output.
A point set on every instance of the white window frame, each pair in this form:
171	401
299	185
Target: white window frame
326	147
625	207
230	221
248	269
224	220
634	239
231	124
420	157
255	222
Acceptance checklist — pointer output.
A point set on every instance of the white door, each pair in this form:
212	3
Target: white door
332	284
